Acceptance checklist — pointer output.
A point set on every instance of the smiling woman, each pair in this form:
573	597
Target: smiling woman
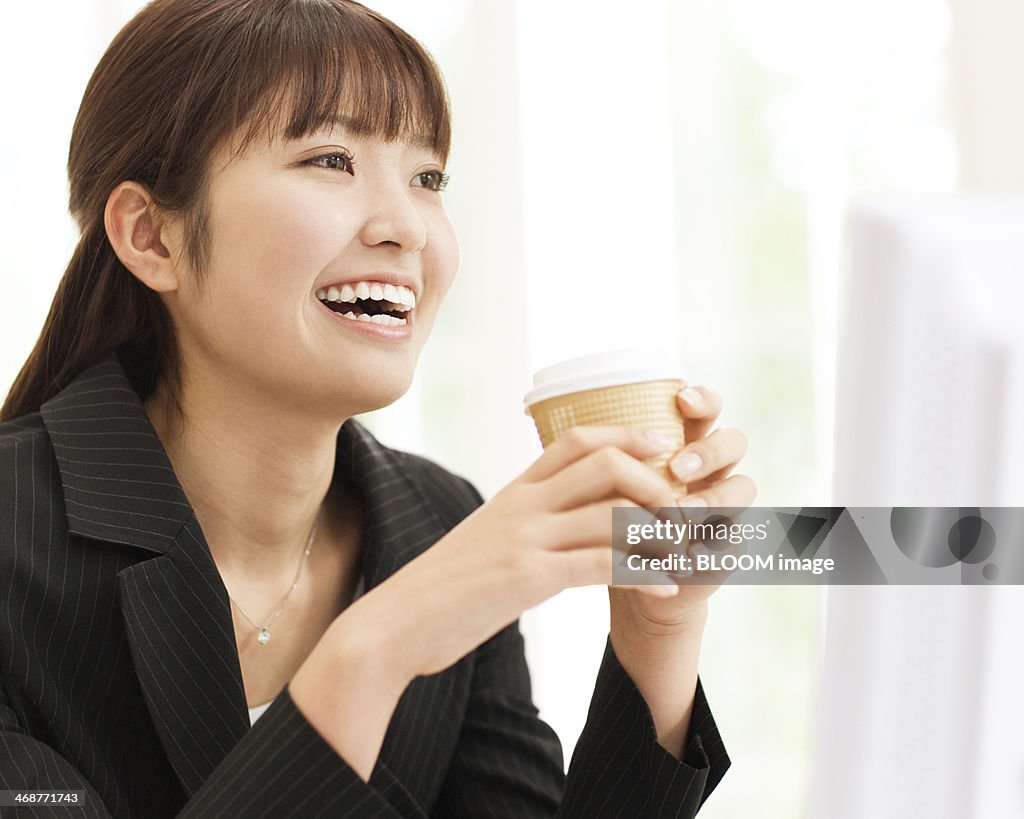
190	505
182	88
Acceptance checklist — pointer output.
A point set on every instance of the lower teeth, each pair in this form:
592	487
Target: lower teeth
379	318
383	319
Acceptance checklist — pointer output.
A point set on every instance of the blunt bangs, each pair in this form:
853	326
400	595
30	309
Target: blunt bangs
321	62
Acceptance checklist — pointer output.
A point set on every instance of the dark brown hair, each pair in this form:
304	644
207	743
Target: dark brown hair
183	79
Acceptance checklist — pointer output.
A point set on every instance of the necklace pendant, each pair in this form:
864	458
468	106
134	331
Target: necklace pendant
263	637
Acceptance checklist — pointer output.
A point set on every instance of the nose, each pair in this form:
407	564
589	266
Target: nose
393	218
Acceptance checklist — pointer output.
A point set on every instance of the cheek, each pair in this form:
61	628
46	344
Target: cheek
278	239
443	253
269	246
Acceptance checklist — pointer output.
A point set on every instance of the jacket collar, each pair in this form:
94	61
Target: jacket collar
119	487
118	482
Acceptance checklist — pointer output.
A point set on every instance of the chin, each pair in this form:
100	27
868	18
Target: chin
380	398
365	392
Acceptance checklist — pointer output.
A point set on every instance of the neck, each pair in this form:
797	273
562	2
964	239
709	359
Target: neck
256	476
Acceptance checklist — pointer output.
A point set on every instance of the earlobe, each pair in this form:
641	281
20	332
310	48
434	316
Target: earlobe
135	234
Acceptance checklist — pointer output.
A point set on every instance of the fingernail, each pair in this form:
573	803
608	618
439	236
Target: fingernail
693	502
662	442
686	463
664	590
692	397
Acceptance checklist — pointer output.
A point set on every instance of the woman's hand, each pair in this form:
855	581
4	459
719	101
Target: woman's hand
705	465
548	530
657	641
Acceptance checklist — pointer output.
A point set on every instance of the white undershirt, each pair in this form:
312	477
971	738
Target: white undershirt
257	710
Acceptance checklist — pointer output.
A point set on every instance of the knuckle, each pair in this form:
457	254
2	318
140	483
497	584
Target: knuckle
741	441
663	495
560	570
749	487
570	569
712	497
737	438
597	568
578	438
577	568
600	519
610	458
638	436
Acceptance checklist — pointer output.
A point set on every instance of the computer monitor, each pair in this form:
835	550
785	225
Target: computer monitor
919	711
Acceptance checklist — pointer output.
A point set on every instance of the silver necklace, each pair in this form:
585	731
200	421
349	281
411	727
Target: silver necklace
263	632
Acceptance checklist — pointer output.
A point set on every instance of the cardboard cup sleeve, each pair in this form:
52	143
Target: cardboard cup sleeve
648	404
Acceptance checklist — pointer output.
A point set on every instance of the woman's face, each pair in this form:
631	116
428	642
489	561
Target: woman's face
310	238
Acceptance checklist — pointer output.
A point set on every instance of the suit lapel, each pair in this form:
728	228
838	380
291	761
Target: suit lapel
400	523
178	620
119	486
118	483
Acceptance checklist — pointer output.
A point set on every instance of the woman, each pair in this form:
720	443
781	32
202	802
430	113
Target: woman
194	525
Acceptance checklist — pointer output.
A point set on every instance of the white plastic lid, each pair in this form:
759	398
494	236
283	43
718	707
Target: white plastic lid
609	369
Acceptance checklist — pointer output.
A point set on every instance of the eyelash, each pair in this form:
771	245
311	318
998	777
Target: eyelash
349	158
441	179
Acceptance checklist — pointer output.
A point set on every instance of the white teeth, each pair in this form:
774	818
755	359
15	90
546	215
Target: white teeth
380	318
399	297
406	297
387	320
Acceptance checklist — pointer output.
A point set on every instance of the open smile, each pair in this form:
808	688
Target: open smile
386	305
378	309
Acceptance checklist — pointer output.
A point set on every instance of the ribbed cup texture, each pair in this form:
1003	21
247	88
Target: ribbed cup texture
648	404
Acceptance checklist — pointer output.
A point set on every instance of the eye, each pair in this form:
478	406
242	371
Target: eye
435	180
335	160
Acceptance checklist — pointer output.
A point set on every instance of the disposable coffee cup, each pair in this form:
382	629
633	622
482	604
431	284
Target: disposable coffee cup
621	387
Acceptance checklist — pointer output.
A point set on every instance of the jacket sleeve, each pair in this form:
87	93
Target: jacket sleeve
281	767
509	762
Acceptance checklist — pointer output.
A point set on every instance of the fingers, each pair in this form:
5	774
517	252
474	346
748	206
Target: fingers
591	567
587	526
581	441
700	407
717	454
605	473
734	491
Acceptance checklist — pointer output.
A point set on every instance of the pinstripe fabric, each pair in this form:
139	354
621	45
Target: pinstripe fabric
119	674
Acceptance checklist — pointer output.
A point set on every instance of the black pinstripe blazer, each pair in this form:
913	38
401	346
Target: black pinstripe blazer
119	672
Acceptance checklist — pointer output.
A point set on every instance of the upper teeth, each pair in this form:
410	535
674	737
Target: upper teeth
402	298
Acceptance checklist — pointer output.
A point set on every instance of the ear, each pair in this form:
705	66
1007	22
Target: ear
134	230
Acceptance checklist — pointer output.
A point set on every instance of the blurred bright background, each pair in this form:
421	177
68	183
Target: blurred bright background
658	173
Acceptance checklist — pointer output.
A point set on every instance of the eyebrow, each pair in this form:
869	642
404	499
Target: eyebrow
352	124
